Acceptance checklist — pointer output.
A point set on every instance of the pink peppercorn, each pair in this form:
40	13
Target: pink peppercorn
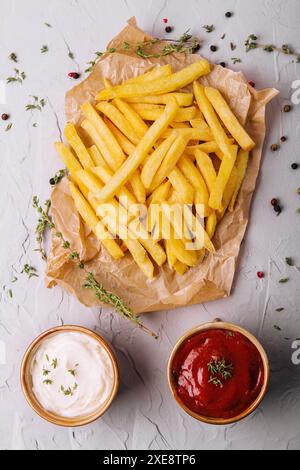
260	274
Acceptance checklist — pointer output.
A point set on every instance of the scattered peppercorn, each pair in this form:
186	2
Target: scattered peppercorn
294	166
169	29
74	75
223	64
274	147
165	20
52	182
298	191
283	138
228	14
252	84
196	48
213	48
274	202
277	209
287	108
260	274
4	117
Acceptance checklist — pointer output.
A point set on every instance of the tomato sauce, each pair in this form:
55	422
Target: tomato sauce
218	373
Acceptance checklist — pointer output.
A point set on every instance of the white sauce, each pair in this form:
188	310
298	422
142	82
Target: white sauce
72	374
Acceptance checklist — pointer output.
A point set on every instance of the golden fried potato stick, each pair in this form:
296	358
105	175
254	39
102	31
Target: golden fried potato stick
136	122
183	99
180	268
153	162
169	162
207	109
119	120
211	224
160	194
229	119
151	112
127	146
180	125
90	218
77	145
206	168
124	173
104	132
216	195
241	166
106	151
171	257
96	156
153	74
228	193
137	187
159	86
193	134
194	176
182	186
177	246
207	147
154	249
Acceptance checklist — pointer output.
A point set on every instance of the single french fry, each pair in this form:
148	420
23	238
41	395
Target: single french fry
177	246
90	181
207	147
68	158
171	257
137	187
216	195
153	74
180	125
202	134
77	145
96	156
160	194
229	119
211	224
194	176
169	162
90	218
183	99
241	166
127	146
173	214
106	135
159	86
107	152
151	112
228	193
206	168
180	268
182	186
207	109
124	173
119	120
134	119
154	161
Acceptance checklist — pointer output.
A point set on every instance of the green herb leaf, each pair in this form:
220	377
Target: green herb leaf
13	56
284	280
46	372
236	60
8	127
29	270
48	25
47	382
54	363
280	309
277	327
289	261
209	28
44	49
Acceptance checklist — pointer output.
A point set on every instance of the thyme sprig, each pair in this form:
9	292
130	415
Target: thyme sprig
37	103
45	221
219	370
59	175
187	43
252	43
29	270
18	77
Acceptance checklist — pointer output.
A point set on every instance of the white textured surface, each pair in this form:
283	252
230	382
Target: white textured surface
144	415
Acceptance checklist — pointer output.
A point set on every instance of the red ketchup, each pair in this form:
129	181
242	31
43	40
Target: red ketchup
218	373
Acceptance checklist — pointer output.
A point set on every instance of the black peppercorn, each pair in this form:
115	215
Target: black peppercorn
223	64
196	48
277	209
294	166
274	147
287	108
168	29
4	117
228	14
274	202
213	48
52	182
283	139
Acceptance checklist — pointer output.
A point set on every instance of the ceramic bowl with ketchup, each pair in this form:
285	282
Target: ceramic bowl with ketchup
218	373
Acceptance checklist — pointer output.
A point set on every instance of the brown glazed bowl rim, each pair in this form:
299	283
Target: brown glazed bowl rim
27	387
218	324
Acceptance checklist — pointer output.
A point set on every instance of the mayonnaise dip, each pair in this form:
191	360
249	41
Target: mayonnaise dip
72	374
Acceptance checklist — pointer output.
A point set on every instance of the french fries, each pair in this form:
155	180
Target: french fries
157	191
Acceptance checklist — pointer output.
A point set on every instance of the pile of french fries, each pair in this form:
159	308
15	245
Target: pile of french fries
157	147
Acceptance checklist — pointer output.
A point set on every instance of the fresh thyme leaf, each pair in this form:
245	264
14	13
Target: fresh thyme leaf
217	382
268	48
69	391
289	261
10	293
71	55
232	46
13	56
19	77
46	372
47	358
92	63
37	103
14	279
286	49
48	25
74	255
126	46
236	60
277	327
219	370
251	43
284	280
111	50
280	309
44	222
44	49
34	124
72	372
30	271
54	363
209	28
298	211
47	382
8	127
